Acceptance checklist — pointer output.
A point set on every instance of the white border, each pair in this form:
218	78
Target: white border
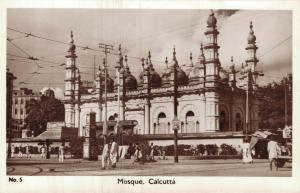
184	184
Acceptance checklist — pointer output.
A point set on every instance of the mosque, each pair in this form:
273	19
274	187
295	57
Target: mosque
211	101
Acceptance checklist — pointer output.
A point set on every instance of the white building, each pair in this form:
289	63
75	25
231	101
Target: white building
211	103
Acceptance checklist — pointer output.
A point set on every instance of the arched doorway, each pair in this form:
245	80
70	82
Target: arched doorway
238	122
162	123
190	122
223	121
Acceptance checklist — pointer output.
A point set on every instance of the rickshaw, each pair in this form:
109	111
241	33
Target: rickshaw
259	142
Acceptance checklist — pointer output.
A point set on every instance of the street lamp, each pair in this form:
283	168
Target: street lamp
176	125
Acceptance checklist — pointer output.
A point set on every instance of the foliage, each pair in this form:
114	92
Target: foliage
201	148
41	111
76	147
227	150
212	149
272	105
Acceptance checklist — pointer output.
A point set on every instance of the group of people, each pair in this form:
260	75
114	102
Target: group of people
110	154
20	154
273	152
42	150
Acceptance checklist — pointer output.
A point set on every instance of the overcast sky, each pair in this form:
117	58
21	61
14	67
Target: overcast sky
140	31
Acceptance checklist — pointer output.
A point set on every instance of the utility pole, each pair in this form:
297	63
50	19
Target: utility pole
107	48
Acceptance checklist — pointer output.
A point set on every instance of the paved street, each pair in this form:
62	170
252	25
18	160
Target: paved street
75	167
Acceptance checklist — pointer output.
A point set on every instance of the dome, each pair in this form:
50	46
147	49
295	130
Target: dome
223	75
181	77
130	82
251	37
155	79
211	21
194	73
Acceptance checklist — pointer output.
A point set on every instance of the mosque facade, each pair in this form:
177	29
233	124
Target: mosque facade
211	101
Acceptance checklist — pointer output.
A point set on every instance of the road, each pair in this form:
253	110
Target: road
79	167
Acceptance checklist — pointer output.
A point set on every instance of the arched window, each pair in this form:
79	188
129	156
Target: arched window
161	115
111	118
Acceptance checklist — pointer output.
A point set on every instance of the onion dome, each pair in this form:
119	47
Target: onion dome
182	78
130	80
174	61
109	80
251	37
72	46
232	66
166	72
189	66
155	79
119	62
223	75
141	75
211	21
195	72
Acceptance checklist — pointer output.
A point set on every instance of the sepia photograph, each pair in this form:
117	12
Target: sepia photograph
149	92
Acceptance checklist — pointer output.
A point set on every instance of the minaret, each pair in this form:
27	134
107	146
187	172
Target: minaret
212	67
252	61
201	65
70	84
211	49
77	102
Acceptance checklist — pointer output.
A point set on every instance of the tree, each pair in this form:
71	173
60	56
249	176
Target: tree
47	109
272	106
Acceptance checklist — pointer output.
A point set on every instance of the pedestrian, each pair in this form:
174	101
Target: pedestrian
114	153
27	151
61	153
274	151
151	149
20	155
106	156
247	158
43	152
164	153
12	150
137	154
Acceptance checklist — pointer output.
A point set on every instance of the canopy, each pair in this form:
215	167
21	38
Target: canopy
258	135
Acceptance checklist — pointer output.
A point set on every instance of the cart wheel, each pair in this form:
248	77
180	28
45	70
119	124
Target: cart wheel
280	163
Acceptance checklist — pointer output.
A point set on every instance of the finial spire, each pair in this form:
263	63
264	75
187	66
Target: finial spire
174	52
166	61
149	55
71	37
231	59
126	58
143	62
251	26
191	56
212	12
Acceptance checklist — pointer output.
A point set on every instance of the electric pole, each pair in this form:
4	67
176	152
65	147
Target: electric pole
107	48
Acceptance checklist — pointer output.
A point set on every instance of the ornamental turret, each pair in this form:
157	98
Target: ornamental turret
232	74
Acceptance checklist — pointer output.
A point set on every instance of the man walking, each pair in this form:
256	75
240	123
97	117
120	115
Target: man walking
274	151
27	151
114	153
106	156
61	153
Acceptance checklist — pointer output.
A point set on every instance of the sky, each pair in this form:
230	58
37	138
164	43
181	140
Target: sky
140	31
